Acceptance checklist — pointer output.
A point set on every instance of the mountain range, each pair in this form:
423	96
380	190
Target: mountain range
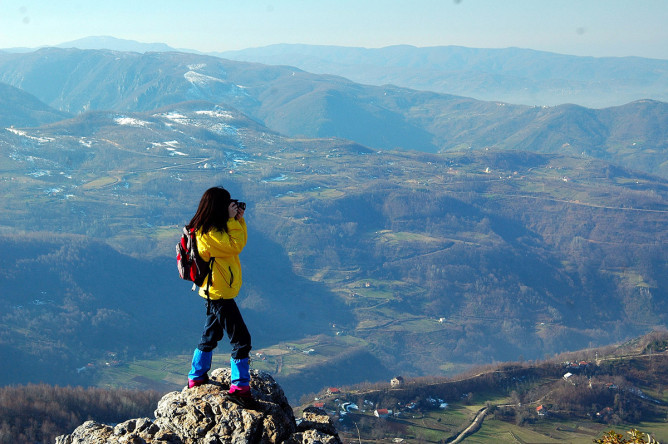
105	42
423	260
511	75
297	103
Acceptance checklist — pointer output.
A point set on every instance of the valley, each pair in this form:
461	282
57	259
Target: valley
462	258
391	231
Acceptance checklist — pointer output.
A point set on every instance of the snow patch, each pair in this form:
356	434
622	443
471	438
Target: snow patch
170	146
24	134
40	173
130	121
217	127
170	143
173	152
198	79
175	117
220	114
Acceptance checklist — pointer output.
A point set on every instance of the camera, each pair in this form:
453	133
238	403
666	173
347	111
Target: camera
240	205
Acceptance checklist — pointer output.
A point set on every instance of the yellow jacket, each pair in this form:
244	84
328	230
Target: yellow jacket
225	249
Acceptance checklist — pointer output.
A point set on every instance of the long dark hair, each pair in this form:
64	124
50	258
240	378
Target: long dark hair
212	211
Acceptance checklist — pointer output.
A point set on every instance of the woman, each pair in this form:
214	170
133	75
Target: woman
221	235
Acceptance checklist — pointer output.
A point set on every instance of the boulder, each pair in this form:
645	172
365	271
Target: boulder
204	415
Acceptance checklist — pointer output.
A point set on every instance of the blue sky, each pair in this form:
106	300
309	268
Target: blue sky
578	27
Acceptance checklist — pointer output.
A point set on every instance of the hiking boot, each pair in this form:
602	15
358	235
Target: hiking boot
236	390
195	383
242	398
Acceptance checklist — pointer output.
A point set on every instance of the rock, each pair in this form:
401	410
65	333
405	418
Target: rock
316	419
89	431
203	415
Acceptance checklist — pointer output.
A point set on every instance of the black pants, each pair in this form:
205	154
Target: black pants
225	317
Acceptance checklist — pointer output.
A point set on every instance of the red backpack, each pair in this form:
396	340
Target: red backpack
191	266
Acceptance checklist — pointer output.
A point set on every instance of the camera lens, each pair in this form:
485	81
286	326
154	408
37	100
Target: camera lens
240	205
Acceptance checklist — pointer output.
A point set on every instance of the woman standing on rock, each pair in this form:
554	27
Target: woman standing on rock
221	235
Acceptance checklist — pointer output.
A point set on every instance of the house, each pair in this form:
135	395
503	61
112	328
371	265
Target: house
382	413
568	375
434	401
541	410
397	382
320	405
333	391
605	411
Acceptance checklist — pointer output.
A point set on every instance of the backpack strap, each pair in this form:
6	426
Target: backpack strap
209	276
208	284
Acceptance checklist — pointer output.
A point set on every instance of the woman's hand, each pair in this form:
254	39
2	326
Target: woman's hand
232	210
240	213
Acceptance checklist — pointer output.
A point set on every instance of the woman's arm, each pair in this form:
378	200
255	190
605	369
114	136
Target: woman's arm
217	243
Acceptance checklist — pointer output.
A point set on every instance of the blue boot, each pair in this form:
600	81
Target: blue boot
240	378
200	367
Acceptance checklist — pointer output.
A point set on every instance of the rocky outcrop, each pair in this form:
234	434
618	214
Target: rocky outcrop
204	415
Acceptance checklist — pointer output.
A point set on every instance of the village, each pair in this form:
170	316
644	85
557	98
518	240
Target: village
339	405
403	408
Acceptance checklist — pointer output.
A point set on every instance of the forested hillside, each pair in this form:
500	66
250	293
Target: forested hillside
37	413
18	108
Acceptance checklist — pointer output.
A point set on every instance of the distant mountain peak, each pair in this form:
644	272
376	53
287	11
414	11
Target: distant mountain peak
115	44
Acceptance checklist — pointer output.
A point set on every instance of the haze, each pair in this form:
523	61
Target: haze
593	28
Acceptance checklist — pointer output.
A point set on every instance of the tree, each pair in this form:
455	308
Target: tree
637	437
